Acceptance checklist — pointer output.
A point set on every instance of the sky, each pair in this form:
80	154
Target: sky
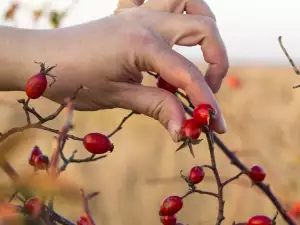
249	28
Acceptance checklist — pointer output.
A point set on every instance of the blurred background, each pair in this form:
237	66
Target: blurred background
259	104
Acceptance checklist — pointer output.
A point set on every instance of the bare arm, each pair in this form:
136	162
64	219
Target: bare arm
16	46
19	48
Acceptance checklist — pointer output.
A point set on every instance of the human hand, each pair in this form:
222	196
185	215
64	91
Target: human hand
108	55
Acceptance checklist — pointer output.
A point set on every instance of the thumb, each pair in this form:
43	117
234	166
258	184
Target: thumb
153	102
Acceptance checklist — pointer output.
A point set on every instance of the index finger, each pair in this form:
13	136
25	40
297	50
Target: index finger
181	73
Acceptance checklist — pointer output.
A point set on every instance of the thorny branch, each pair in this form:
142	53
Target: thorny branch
212	139
87	213
58	145
289	58
236	162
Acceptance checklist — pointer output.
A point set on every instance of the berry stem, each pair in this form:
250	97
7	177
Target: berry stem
232	179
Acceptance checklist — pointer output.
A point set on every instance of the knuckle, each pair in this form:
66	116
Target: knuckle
161	110
209	25
141	37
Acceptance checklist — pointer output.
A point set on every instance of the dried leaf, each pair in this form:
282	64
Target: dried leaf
10	13
37	14
55	18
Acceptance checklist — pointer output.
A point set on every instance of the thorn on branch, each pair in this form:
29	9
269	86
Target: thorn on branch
53	170
274	218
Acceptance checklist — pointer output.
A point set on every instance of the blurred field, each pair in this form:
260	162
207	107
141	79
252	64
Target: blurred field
263	124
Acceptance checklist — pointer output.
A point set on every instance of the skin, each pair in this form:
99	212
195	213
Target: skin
108	55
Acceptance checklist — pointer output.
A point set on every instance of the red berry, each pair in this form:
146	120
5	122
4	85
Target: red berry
196	174
202	114
33	206
191	129
171	205
34	153
168	220
36	86
82	221
41	162
257	173
259	220
161	83
97	143
233	82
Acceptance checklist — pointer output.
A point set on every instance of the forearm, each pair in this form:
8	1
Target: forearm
14	52
19	48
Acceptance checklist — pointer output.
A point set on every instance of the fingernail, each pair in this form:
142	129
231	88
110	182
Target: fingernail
174	130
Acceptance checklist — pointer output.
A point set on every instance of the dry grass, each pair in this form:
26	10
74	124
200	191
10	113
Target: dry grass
263	121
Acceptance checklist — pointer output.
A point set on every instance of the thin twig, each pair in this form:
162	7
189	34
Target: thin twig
221	201
236	162
232	179
92	195
86	209
66	163
13	196
42	120
288	56
121	124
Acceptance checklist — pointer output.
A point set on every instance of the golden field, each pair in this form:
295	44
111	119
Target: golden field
263	125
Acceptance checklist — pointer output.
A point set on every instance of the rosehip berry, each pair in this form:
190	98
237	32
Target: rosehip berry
33	206
168	220
161	83
259	220
97	143
41	162
233	82
191	129
202	114
196	174
171	205
34	153
257	173
82	221
37	84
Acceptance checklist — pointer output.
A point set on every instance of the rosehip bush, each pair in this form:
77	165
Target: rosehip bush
38	206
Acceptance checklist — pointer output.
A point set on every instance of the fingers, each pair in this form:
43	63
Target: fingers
181	73
199	7
217	58
188	30
154	102
194	7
